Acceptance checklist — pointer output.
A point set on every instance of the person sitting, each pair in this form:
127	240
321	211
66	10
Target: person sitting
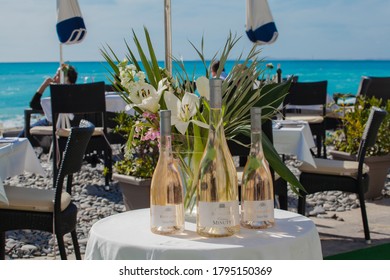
214	69
70	77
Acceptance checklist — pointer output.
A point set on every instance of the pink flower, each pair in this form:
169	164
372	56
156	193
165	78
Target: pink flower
151	134
150	116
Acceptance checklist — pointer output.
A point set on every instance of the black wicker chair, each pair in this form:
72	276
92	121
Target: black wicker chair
84	101
375	86
39	136
346	176
307	94
48	209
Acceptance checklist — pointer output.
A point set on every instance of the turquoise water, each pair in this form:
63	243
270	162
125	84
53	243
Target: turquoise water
19	81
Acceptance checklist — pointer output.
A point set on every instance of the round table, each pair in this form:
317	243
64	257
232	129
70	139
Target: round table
128	236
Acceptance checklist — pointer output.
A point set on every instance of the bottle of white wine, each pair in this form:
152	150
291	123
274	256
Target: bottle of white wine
257	193
217	190
279	74
166	193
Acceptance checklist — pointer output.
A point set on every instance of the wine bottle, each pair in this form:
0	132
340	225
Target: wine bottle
217	190
166	193
279	74
257	194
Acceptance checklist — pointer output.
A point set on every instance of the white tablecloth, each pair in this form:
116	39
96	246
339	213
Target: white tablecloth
114	103
128	236
294	138
16	157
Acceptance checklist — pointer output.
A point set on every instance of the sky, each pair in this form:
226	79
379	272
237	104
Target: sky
320	29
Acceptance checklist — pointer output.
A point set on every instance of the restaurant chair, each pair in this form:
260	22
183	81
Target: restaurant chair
339	175
39	136
51	209
375	86
242	152
82	101
301	95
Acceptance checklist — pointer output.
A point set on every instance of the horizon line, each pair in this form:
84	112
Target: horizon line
191	60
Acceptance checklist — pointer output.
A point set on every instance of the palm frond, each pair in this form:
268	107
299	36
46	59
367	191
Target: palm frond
145	63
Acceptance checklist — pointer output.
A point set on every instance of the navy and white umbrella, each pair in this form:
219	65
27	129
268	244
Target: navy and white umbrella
70	25
260	26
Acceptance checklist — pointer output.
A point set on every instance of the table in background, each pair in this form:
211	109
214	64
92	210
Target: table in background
128	236
294	138
16	157
114	103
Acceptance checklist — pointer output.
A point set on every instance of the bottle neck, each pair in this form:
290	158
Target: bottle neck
216	123
165	146
256	144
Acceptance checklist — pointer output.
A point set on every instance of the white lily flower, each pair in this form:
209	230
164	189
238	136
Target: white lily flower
182	110
203	86
146	97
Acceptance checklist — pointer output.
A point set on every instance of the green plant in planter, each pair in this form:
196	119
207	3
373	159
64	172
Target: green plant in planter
348	138
141	154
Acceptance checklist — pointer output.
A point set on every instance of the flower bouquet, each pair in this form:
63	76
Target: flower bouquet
148	88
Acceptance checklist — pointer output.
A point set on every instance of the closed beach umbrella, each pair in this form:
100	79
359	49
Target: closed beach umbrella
70	25
260	26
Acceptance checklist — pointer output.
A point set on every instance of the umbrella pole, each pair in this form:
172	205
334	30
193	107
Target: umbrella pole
168	36
62	78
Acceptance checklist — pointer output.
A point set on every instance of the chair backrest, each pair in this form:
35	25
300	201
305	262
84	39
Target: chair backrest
370	133
86	100
109	88
307	93
375	86
75	148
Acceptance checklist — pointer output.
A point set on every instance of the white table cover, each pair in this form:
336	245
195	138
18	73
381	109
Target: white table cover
16	157
114	103
128	236
294	138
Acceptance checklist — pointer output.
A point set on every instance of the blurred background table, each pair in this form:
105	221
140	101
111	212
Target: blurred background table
294	138
128	236
16	157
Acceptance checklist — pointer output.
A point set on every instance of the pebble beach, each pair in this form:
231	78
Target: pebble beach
95	202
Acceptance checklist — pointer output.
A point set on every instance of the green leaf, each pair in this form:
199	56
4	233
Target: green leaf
209	157
148	69
252	164
153	59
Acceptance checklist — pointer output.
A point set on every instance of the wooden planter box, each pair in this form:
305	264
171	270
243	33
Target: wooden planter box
135	191
379	168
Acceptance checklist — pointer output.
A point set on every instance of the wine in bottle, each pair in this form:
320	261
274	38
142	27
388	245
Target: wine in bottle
217	190
166	194
257	195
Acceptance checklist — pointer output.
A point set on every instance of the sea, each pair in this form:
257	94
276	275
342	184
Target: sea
19	81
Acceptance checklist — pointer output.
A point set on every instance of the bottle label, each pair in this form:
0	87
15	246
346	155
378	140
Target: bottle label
218	214
258	211
163	215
